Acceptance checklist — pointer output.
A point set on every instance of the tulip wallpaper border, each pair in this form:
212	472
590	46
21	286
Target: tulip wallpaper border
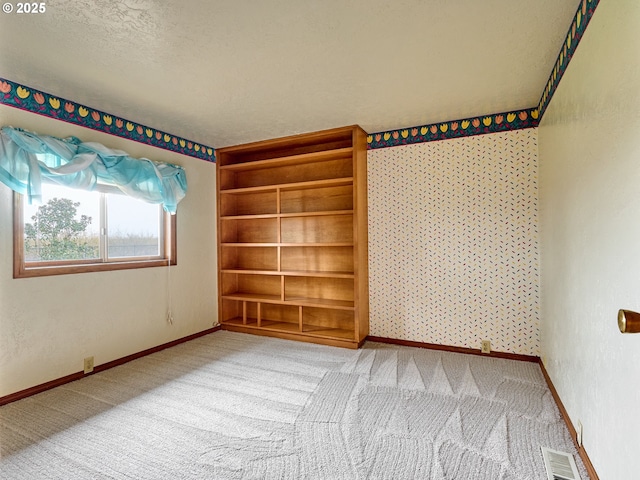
26	98
578	26
498	122
42	103
494	123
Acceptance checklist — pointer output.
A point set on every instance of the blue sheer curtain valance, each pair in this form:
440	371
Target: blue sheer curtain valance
27	160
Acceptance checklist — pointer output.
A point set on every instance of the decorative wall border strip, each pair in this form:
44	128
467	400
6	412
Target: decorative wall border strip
31	100
35	101
574	35
497	122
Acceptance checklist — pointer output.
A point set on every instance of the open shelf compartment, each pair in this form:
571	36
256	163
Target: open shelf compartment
317	229
337	292
316	199
317	259
269	175
251	259
249	230
331	323
298	145
253	203
251	286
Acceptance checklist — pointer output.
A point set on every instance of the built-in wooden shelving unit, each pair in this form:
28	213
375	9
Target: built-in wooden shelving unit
292	237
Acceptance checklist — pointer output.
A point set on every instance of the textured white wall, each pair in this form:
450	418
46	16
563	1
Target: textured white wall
48	325
453	242
589	150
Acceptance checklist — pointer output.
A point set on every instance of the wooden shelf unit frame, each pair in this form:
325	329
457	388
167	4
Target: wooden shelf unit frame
292	237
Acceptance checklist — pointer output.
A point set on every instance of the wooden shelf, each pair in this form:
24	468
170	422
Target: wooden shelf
316	244
320	302
291	160
243	244
289	186
254	297
249	190
249	217
320	274
288	215
275	326
299	301
289	244
251	322
291	273
331	182
292	237
316	214
320	331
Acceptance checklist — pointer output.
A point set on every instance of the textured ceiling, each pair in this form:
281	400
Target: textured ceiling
223	72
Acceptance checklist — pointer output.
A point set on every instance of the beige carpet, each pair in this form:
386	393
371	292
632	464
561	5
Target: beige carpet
234	406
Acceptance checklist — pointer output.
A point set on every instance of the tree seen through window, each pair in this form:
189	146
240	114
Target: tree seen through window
79	225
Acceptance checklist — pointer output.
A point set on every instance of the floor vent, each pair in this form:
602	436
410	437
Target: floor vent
559	465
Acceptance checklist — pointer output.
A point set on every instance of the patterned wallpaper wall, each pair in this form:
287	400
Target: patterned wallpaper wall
453	242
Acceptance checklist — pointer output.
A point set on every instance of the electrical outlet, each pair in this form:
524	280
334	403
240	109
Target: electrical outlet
88	365
579	434
486	346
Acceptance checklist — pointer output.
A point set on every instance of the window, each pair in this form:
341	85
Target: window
72	232
75	231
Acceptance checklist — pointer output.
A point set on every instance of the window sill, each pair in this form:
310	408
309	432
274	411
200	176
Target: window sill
31	271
